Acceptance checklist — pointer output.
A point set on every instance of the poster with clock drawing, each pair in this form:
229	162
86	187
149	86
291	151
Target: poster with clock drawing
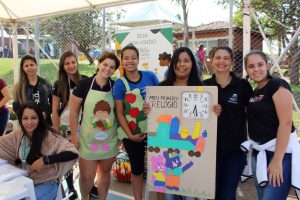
181	142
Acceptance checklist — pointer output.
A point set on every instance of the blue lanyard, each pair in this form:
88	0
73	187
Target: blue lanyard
24	152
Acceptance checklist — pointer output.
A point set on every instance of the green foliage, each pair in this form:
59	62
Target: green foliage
82	29
279	18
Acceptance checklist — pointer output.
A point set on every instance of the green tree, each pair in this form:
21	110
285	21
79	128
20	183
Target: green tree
185	5
81	29
279	19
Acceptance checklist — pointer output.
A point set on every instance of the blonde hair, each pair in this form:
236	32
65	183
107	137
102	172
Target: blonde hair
19	92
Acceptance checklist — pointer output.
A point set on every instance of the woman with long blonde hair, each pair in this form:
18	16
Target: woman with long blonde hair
31	87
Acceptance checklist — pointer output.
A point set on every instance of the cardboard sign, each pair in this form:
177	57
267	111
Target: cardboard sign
182	135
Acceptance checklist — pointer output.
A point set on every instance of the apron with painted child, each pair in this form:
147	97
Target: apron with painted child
98	134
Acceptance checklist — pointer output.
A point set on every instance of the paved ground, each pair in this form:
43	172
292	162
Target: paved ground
122	191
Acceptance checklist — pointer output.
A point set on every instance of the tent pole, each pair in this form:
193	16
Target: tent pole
230	40
37	38
246	30
15	52
2	39
103	31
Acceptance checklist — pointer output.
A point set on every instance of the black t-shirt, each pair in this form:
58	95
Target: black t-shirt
234	98
84	85
56	93
72	84
262	116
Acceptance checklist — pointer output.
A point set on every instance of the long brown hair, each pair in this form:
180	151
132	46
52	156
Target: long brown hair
19	92
63	88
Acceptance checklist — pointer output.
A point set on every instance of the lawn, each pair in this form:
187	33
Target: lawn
47	70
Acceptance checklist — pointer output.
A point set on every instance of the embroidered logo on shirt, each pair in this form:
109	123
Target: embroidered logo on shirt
233	99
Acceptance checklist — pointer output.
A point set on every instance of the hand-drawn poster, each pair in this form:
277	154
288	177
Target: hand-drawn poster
182	133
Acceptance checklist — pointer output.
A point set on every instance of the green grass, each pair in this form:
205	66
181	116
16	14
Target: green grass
47	70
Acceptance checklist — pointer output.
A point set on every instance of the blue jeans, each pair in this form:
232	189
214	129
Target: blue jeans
229	170
4	117
269	192
178	197
46	191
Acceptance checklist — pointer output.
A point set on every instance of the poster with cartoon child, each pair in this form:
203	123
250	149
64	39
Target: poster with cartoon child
182	132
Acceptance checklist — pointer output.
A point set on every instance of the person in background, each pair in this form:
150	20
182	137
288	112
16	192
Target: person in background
31	87
98	140
270	126
129	91
200	56
1	52
4	111
39	149
68	78
164	61
174	47
234	94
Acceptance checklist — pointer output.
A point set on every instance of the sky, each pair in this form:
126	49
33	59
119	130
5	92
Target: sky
201	11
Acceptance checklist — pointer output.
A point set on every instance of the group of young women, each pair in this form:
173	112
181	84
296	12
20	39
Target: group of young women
93	113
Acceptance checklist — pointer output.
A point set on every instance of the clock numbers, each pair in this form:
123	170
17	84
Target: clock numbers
195	105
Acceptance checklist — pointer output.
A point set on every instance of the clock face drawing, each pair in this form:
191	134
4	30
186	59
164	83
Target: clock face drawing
195	105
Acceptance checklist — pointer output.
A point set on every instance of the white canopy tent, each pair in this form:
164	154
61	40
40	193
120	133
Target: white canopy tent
150	14
14	12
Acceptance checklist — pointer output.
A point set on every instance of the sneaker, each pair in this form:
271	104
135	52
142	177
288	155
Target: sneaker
74	195
94	192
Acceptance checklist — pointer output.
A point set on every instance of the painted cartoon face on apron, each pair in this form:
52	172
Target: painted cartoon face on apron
98	137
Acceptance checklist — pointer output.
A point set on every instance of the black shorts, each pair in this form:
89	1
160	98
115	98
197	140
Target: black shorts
136	154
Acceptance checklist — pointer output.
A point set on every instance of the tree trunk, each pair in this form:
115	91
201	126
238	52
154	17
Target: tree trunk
86	53
185	24
294	74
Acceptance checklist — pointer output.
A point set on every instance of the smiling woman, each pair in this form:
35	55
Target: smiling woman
98	141
39	149
234	94
31	87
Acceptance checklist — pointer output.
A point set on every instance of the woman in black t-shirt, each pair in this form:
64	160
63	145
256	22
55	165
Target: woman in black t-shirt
234	94
270	124
68	78
31	87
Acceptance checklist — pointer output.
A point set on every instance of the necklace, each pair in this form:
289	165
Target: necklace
225	83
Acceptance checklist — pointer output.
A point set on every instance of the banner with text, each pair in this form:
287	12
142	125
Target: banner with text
150	41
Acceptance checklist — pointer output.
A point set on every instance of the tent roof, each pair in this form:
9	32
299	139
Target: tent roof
152	13
13	11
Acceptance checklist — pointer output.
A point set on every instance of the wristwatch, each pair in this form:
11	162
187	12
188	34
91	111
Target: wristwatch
46	160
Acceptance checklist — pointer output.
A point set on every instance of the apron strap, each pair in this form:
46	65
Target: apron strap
92	83
108	81
125	83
